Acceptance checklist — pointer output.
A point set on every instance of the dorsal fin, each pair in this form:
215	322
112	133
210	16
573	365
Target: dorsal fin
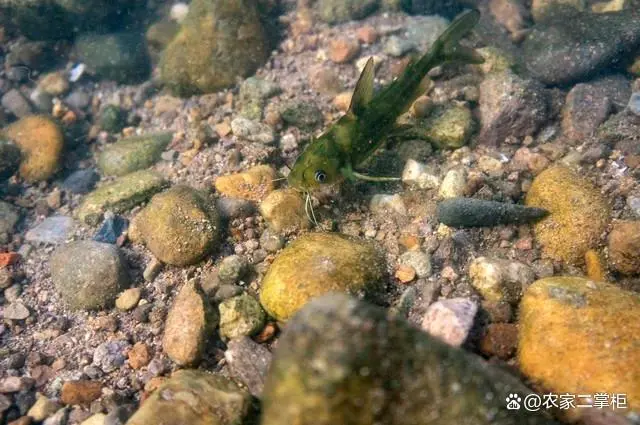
363	92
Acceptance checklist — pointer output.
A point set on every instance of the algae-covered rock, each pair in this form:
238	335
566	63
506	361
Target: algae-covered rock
9	159
189	324
195	398
578	214
449	127
120	195
334	11
581	337
342	361
179	226
88	274
121	57
240	316
112	118
284	211
133	153
253	184
316	264
219	41
41	142
304	115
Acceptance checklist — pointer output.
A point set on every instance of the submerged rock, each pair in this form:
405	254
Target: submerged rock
284	211
133	153
253	184
219	40
240	316
53	230
471	212
585	108
334	11
9	159
179	226
113	118
567	50
345	361
568	325
9	216
624	247
316	264
448	127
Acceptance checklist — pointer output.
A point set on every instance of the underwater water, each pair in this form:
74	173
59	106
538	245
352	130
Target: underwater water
319	212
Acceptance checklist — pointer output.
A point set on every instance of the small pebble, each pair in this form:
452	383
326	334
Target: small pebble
343	50
419	261
109	355
139	355
111	229
405	273
152	270
80	392
249	363
450	320
634	103
128	299
16	311
232	269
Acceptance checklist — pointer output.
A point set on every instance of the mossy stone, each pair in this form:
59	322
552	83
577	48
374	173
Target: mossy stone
133	153
112	119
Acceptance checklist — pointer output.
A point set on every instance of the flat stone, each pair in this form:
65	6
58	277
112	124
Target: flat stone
53	230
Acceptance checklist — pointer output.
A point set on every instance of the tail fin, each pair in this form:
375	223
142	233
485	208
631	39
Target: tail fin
449	40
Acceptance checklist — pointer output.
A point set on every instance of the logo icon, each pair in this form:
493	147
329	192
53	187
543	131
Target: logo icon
513	401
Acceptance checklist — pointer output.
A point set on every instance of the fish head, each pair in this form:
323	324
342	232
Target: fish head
318	166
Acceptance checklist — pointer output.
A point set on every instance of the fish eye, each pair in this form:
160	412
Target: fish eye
320	176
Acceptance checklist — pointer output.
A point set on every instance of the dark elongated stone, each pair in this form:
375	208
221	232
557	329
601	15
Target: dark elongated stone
470	212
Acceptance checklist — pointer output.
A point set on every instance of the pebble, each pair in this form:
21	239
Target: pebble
14	384
585	108
397	47
133	153
112	228
53	83
78	99
43	408
120	195
383	204
420	175
450	320
10	157
9	216
80	392
315	264
87	274
110	355
231	208
41	142
624	247
53	230
249	363
240	316
419	261
271	241
448	127
471	212
578	214
96	419
179	226
634	103
253	131
454	184
367	34
14	102
232	269
81	181
318	363
152	270
217	400
128	299
568	325
405	273
16	311
187	327
307	116
500	280
139	355
633	202
343	50
112	119
284	211
253	185
58	418
500	340
6	278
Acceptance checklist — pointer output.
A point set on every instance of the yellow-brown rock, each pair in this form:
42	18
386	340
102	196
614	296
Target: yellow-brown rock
254	184
624	247
316	264
578	214
580	336
41	142
284	211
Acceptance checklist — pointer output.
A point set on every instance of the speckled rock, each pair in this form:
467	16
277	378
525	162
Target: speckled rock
450	320
454	183
253	131
9	159
418	261
88	274
334	11
179	226
567	49
584	110
284	211
120	195
578	214
189	324
382	204
448	127
510	106
9	216
319	361
500	280
253	95
570	324
218	41
41	143
121	57
240	316
232	269
304	115
196	398
624	247
253	184
316	264
53	230
496	61
249	363
133	153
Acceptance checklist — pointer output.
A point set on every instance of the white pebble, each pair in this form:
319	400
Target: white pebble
417	174
179	12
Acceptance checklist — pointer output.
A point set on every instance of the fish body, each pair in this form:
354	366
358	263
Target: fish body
339	151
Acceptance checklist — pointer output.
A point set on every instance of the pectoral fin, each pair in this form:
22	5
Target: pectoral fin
363	92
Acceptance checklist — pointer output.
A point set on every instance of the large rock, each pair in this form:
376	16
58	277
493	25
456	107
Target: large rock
510	106
344	361
579	336
578	214
133	153
122	57
41	143
195	398
566	50
316	264
219	41
179	226
88	274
